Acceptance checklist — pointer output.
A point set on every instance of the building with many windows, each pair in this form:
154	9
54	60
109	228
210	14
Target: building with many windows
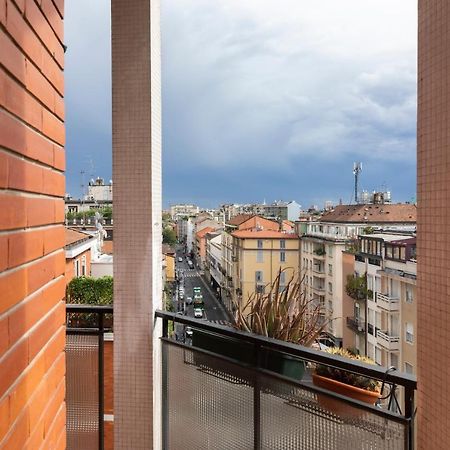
324	240
258	255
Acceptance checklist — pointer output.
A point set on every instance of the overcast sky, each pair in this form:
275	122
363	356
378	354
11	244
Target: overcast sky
262	99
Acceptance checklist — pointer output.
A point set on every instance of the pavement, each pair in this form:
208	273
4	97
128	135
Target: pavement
214	310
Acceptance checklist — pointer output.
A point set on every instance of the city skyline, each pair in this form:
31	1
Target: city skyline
260	104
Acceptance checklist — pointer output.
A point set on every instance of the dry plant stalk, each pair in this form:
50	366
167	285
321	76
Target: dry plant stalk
285	315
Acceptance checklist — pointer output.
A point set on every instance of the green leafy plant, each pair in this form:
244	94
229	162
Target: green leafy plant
284	314
346	377
356	287
320	251
169	236
90	291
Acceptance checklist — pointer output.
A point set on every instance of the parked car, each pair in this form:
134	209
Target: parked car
189	300
189	332
180	259
198	313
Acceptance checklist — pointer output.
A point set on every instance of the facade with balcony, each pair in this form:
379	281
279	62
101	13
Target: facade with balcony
387	262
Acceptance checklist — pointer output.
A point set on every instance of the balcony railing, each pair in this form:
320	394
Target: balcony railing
356	324
222	388
386	340
388	303
86	326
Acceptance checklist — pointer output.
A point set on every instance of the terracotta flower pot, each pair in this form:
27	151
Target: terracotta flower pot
340	408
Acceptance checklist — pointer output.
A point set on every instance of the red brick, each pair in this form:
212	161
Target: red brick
37	404
11	57
13	214
54	359
54	405
59	6
20	4
4	336
5	416
52	14
59	158
21	139
24	175
3	169
36	438
40	273
25	247
44	31
53	183
54	238
45	330
40	211
20	103
3	252
52	127
3	12
59	211
56	428
13	365
20	432
13	286
39	86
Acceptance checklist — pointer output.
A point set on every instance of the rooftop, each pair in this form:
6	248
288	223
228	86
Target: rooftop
263	234
397	213
76	237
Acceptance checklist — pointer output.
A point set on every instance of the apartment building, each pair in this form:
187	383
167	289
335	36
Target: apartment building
380	299
181	210
324	240
98	190
258	255
214	261
79	250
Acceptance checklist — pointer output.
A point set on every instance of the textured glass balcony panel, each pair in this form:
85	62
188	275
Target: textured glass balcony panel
209	402
82	392
295	418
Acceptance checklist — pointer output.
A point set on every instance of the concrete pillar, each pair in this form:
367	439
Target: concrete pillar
137	221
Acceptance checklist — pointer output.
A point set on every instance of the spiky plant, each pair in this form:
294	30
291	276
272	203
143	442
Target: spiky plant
285	314
348	377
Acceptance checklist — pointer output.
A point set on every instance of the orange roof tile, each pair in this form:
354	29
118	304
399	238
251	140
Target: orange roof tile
204	231
73	236
240	218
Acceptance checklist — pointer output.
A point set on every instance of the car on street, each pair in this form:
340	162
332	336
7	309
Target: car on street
198	313
189	300
180	259
189	332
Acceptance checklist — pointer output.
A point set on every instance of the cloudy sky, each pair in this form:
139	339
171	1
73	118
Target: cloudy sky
262	99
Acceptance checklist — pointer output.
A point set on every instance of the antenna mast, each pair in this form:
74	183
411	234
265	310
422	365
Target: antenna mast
357	168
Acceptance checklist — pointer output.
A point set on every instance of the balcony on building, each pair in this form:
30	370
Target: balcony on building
318	284
232	395
318	267
388	340
356	324
390	303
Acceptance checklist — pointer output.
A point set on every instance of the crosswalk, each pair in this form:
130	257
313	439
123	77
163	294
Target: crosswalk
188	273
220	322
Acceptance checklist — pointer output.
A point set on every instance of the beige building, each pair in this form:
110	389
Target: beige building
258	255
383	319
323	241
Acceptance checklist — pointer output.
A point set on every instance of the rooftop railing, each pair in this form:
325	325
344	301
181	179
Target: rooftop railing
224	388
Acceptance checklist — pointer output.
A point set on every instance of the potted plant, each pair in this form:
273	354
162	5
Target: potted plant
277	312
345	383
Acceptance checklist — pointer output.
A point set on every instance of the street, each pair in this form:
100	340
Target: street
190	278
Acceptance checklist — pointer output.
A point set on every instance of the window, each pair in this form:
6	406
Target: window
409	368
83	266
330	269
259	276
394	360
76	267
259	254
283	243
330	251
378	355
330	287
282	256
409	333
282	281
409	294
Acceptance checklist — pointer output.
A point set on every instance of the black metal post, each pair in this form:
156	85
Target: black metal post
101	398
257	401
409	414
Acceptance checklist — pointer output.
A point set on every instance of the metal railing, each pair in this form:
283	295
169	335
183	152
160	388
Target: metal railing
220	386
388	302
356	324
86	326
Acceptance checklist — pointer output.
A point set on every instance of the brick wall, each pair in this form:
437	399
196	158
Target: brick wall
433	184
32	315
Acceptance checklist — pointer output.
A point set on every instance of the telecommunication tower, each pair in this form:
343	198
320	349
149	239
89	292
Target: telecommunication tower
357	168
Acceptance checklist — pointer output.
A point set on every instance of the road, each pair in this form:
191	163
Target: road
214	311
